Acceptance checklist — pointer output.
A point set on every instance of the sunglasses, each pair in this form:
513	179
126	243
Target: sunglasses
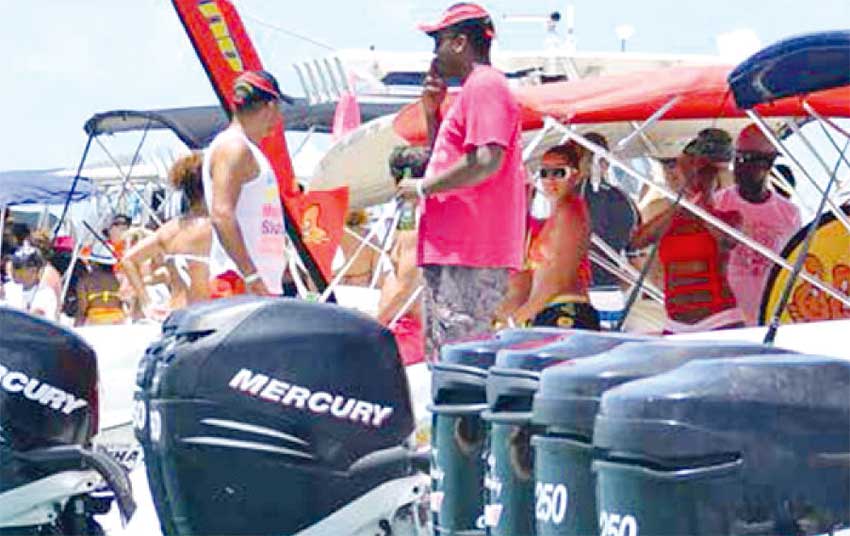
668	163
555	173
749	157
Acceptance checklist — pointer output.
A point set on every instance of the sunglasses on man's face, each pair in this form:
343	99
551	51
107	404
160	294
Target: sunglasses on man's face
755	158
555	173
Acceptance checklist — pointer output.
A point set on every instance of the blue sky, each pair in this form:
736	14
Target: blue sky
65	60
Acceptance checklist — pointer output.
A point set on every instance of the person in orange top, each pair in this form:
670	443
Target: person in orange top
693	254
557	272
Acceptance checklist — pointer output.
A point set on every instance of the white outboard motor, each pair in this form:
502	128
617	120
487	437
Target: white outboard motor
279	416
48	415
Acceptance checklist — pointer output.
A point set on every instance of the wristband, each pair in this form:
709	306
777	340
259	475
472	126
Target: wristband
251	279
420	189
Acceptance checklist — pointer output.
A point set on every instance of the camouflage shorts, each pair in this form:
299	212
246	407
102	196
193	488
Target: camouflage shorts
460	302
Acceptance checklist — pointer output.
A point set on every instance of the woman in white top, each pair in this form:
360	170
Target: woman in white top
27	267
184	241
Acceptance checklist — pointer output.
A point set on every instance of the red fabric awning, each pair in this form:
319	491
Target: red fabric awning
704	94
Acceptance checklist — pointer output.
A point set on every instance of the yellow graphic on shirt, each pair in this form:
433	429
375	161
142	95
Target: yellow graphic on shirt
828	260
310	230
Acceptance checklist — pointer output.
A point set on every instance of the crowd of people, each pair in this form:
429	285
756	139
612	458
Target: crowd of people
126	273
467	256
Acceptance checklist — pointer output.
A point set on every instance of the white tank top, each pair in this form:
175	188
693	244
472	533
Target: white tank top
259	215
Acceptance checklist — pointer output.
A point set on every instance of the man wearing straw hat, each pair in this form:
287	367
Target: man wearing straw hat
472	198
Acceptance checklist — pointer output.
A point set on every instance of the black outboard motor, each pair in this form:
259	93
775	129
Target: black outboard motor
755	446
278	416
48	415
566	405
458	396
511	384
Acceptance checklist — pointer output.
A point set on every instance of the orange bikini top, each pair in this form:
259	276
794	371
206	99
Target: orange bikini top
536	255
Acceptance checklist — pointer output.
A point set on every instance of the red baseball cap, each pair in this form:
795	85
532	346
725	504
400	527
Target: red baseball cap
261	80
454	15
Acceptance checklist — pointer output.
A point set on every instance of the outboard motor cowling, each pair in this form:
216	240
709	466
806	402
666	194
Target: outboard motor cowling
48	416
278	416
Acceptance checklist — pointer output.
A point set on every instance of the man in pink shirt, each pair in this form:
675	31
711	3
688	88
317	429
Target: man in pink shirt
472	197
766	217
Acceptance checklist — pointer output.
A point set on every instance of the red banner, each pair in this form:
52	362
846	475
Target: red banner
225	50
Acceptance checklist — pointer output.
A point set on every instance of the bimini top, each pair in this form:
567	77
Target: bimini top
793	66
703	93
196	126
44	186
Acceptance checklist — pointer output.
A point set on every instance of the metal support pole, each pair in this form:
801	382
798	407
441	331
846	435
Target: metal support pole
623	265
633	296
74	184
823	123
125	181
814	113
773	325
702	213
651	120
387	242
348	263
757	119
2	226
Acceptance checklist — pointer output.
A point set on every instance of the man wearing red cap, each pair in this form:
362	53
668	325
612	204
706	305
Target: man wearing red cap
240	188
765	217
472	197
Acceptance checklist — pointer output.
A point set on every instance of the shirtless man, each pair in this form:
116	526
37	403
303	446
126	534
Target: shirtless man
557	273
247	251
186	237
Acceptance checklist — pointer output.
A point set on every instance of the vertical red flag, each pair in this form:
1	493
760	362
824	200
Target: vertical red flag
225	50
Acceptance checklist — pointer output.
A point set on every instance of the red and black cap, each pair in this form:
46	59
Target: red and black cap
457	14
249	82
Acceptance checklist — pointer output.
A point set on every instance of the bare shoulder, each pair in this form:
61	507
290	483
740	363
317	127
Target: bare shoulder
190	235
233	156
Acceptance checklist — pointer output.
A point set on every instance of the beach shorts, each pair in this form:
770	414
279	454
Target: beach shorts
226	285
460	303
560	314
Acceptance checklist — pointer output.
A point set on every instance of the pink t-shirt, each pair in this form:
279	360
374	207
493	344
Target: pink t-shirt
482	225
771	223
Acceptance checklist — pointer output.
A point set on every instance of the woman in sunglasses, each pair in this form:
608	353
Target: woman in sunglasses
553	289
693	254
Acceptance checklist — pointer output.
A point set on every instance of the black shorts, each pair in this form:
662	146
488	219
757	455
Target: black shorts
568	315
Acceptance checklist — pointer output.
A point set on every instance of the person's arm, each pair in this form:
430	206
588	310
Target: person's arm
519	288
433	95
45	303
232	166
647	233
568	243
136	256
408	280
491	118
